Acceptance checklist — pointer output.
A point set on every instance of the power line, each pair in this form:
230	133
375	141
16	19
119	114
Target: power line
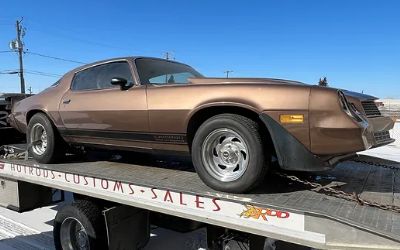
42	74
53	57
65	34
46	56
35	72
8	71
32	72
36	26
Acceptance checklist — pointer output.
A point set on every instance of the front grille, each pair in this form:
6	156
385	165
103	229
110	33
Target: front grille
370	109
382	137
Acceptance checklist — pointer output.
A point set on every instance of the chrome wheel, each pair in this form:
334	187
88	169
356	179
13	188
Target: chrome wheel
73	235
225	155
38	138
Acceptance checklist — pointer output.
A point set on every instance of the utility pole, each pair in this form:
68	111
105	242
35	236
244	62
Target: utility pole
323	82
30	90
20	48
169	56
227	72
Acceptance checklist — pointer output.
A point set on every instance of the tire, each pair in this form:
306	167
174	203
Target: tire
54	147
85	215
240	133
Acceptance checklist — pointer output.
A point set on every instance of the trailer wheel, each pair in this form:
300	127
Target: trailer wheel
80	226
228	153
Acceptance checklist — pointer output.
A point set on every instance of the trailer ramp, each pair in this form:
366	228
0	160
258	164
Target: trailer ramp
280	209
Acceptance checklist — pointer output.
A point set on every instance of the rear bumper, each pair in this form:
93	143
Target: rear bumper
13	123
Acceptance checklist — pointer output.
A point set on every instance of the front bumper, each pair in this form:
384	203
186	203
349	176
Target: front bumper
293	155
377	132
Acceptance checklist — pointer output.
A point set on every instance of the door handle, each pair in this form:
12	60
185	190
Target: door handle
67	101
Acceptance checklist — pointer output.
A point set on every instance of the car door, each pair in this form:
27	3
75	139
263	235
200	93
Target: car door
96	112
169	101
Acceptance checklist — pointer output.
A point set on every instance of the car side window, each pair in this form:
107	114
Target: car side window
99	77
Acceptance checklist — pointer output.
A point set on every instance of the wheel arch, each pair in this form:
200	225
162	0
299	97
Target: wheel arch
200	115
35	111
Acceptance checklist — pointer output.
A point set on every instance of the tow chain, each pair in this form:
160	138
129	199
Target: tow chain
13	152
395	168
329	190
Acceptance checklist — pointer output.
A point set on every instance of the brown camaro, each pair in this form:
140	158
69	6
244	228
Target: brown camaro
233	128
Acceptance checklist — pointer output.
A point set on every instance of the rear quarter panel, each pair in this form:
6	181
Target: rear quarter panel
46	101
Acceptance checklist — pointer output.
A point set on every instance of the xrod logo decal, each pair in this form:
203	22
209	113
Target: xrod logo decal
258	213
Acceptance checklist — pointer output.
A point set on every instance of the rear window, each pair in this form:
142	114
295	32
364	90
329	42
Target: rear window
161	72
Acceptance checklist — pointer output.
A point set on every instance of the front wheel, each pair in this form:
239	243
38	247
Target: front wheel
228	153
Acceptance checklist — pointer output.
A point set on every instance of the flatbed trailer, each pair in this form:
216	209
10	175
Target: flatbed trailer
282	209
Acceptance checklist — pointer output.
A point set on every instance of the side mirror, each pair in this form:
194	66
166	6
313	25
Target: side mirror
119	81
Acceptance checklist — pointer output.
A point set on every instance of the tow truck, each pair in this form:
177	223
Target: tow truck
118	197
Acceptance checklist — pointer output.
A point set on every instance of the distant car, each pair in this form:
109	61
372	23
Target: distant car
232	127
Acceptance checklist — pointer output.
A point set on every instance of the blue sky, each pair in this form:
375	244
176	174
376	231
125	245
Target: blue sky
354	43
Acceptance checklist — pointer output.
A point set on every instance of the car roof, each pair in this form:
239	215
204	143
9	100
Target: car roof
132	58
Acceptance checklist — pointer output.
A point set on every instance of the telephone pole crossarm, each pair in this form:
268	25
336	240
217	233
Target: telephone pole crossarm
227	72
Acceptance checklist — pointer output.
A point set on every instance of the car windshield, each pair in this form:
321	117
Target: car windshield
161	72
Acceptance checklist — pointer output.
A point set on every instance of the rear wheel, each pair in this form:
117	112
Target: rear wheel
43	141
228	153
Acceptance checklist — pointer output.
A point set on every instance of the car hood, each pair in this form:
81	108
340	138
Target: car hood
209	80
360	96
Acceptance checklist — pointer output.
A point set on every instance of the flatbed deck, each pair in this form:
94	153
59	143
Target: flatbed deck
280	209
